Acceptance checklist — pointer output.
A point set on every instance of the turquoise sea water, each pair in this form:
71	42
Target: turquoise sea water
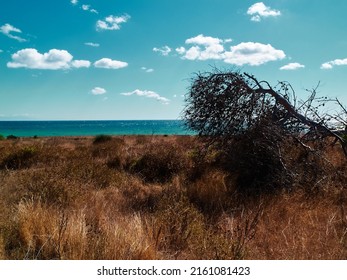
91	128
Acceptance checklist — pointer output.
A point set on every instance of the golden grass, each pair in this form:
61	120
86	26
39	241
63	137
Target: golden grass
140	197
302	229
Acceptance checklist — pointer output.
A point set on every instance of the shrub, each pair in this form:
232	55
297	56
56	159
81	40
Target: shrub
157	164
102	138
115	163
23	158
2	137
12	137
256	158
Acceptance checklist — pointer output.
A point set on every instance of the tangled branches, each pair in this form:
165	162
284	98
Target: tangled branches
265	136
221	105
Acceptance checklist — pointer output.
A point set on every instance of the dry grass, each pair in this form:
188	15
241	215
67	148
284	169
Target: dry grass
153	197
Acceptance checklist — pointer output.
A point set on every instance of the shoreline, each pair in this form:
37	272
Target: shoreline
92	128
69	137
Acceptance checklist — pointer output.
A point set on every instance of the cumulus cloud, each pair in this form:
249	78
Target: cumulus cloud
148	94
260	10
8	30
98	91
80	63
163	50
203	40
108	63
205	47
74	2
330	64
52	60
251	53
181	50
292	66
57	59
111	22
90	44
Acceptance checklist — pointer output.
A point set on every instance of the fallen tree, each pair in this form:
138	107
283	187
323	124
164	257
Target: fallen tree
263	135
227	104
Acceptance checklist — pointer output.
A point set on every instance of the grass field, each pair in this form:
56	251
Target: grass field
152	197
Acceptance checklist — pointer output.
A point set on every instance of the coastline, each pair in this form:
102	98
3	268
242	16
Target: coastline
92	128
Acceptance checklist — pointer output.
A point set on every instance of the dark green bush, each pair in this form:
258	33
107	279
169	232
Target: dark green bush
23	158
102	138
2	137
12	137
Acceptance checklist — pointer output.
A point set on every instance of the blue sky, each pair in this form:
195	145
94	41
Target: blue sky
133	59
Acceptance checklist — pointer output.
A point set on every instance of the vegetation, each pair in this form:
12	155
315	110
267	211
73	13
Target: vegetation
156	197
22	158
256	127
102	138
12	137
222	105
264	179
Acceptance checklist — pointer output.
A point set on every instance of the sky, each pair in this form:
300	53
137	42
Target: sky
134	59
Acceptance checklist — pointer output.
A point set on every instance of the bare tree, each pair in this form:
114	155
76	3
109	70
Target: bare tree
221	105
263	135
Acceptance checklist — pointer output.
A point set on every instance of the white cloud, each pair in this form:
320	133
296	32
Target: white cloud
111	22
147	70
8	29
98	91
74	2
181	50
331	64
52	60
148	94
326	66
260	10
203	40
88	8
292	66
163	50
95	45
251	53
193	53
80	64
57	59
32	59
110	64
1	51
205	48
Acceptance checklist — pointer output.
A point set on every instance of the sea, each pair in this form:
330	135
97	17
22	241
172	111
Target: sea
92	128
